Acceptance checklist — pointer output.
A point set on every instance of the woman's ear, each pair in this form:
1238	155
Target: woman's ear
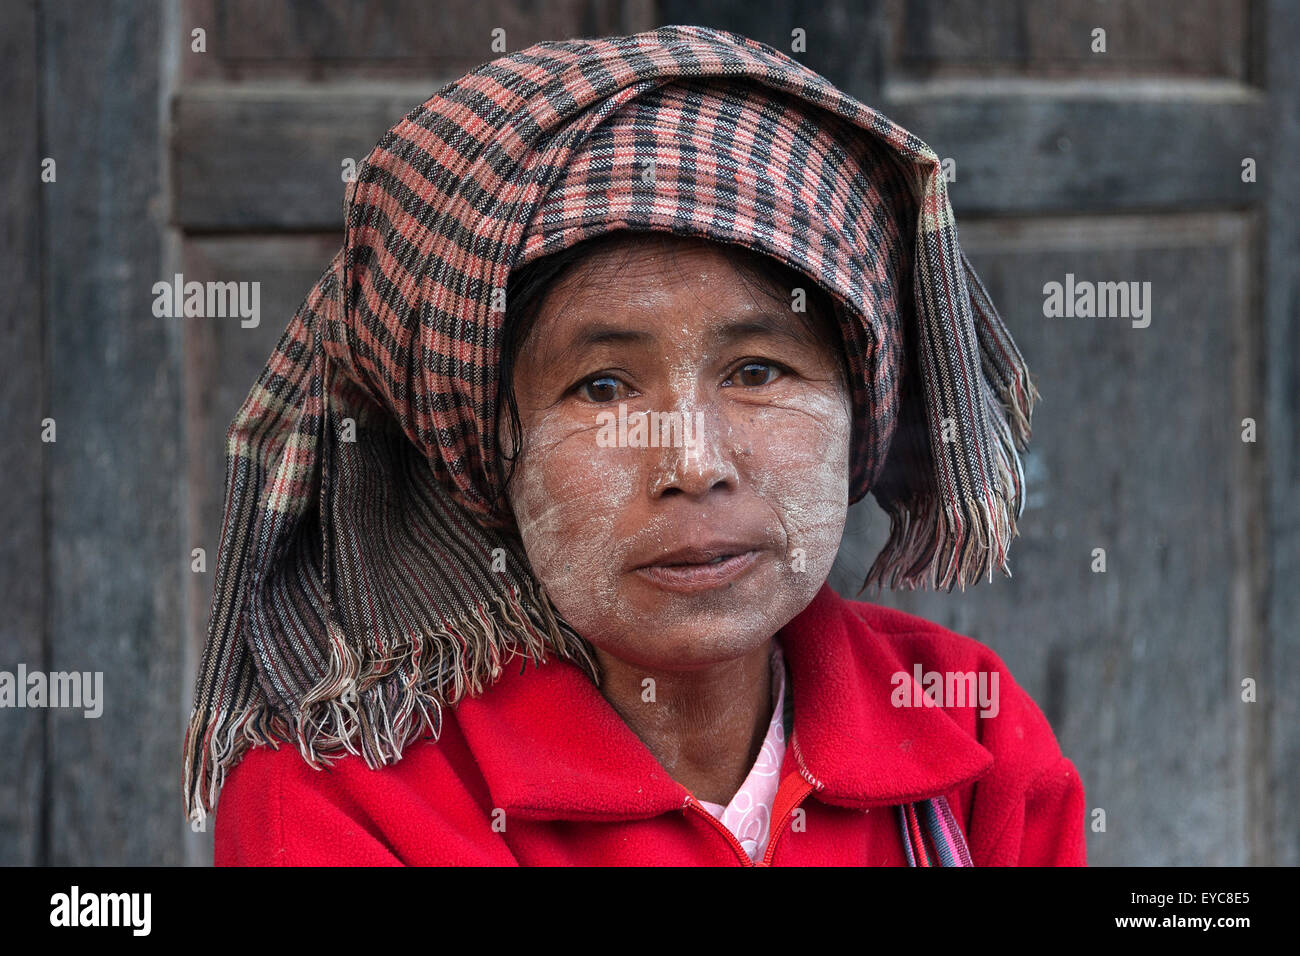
505	435
504	464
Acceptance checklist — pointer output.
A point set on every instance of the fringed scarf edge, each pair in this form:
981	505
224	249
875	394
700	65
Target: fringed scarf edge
939	547
376	708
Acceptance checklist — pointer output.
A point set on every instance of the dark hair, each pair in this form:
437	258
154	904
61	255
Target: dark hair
529	285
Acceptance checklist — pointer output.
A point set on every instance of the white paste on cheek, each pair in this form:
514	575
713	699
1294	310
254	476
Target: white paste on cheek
568	496
803	474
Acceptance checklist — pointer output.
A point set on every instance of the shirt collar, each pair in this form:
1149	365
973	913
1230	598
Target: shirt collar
551	747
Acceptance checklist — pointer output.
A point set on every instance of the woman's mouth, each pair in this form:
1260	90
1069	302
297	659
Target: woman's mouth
686	576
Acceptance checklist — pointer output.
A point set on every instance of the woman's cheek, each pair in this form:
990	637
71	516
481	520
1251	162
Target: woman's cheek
799	465
568	497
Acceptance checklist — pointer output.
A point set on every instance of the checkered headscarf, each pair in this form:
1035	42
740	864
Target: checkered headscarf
366	575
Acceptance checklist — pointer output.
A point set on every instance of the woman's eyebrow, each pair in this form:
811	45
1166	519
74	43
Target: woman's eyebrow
765	323
602	333
589	336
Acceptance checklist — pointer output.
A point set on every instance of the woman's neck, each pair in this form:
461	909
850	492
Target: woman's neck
704	726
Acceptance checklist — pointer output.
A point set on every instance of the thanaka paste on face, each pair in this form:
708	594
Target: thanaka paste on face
584	509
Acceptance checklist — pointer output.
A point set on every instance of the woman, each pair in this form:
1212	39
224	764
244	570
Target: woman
619	330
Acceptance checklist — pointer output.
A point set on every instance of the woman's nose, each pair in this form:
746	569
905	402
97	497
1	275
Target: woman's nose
694	457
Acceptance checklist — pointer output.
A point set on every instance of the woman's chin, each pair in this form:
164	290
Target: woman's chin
676	620
686	648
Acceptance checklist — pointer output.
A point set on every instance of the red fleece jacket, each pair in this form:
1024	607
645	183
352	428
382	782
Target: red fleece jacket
541	770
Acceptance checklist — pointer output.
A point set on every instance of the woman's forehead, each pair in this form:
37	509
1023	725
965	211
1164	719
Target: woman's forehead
638	294
645	275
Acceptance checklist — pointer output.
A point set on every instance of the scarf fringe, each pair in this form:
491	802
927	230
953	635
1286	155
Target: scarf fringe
937	547
375	708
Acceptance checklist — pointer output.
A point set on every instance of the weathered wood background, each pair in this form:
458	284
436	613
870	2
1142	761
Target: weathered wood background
1123	166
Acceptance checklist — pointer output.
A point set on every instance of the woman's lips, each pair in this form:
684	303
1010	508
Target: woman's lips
698	576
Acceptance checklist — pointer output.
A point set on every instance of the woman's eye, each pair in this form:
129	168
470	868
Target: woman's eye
603	388
753	374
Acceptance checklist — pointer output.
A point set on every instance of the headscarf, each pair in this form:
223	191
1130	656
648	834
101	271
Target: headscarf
367	575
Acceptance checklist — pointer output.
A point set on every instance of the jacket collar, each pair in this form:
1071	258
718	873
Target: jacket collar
551	747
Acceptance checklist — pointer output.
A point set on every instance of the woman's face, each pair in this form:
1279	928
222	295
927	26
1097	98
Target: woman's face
689	527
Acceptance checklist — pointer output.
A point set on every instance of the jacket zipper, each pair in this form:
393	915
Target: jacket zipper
774	835
813	785
721	827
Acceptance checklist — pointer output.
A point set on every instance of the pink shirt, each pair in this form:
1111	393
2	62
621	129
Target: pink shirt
749	814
